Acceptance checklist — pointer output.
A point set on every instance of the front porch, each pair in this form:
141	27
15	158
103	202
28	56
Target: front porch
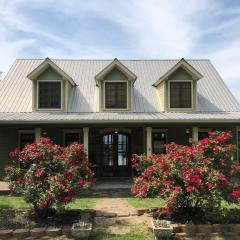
109	147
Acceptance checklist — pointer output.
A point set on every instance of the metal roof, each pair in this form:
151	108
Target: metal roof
161	117
212	93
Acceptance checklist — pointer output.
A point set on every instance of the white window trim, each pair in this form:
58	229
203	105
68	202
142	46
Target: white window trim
104	100
23	132
65	131
169	96
49	109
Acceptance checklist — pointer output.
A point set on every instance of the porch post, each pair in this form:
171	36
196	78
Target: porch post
195	134
38	132
85	138
149	140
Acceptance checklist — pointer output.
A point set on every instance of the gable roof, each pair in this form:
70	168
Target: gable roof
196	75
115	64
44	65
212	93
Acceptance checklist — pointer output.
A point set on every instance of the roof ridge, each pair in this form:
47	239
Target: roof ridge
110	59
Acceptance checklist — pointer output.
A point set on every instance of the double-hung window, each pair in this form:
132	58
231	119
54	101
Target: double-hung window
49	94
71	136
116	95
180	94
159	139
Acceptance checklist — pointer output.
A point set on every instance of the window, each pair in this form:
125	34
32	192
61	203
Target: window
26	137
238	144
71	136
49	95
115	95
180	94
159	139
203	133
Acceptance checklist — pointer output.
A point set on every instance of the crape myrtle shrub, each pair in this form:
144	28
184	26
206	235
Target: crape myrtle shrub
190	177
49	174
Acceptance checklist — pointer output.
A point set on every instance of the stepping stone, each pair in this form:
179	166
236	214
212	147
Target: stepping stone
53	232
38	232
21	233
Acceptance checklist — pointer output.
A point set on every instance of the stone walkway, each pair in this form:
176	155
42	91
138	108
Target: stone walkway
3	186
111	207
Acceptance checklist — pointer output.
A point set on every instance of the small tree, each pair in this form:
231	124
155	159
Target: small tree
49	174
198	176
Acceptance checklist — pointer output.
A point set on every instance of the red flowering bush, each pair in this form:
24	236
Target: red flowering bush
49	174
198	176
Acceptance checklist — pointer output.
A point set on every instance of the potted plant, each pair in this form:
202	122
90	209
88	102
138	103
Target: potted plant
81	230
162	229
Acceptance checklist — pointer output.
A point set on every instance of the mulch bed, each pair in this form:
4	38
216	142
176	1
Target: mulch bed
20	219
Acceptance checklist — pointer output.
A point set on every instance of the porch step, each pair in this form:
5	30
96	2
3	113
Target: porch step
115	187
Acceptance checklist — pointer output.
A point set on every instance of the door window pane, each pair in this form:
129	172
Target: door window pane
116	95
158	142
49	95
108	150
180	95
122	150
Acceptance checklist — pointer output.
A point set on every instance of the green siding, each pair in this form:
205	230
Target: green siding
115	74
49	74
180	74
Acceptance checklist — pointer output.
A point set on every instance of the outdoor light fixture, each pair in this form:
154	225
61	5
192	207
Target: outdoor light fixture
187	131
116	131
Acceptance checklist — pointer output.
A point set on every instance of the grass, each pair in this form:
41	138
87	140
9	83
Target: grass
13	202
138	232
145	202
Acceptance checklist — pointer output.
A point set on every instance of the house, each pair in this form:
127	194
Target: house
115	107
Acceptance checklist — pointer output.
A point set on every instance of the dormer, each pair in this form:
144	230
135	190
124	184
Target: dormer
177	88
51	87
115	83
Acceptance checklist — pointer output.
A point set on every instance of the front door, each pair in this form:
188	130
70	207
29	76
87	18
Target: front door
115	155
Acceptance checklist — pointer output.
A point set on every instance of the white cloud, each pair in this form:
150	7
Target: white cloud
153	28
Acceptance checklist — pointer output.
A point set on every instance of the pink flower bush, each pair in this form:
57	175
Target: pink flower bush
50	174
197	176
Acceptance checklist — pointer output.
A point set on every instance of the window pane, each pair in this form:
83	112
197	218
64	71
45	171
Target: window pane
202	135
158	141
180	95
26	138
49	95
72	137
116	95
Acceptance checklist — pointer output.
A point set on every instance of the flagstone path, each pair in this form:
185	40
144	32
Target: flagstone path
111	207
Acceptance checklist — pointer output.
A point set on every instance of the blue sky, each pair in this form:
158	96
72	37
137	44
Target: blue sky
123	29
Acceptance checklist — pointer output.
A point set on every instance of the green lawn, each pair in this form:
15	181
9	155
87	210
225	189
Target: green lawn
145	202
18	202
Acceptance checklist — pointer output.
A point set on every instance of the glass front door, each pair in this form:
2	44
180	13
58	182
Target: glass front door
115	155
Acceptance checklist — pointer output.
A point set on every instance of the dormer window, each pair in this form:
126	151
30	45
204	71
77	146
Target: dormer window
180	94
177	88
51	87
116	95
115	84
49	94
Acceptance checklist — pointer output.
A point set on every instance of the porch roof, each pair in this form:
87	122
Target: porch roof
126	117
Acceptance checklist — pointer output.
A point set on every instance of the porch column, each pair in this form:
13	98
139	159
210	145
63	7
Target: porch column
149	140
38	132
85	138
194	134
